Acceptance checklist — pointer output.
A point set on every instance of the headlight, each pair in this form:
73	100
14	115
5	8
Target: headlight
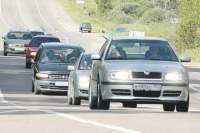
174	76
123	75
10	45
42	75
33	53
83	79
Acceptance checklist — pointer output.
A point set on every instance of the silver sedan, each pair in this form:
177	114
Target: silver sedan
135	70
79	79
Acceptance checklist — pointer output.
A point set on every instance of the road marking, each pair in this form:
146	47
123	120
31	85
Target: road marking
67	116
48	24
2	17
194	88
22	16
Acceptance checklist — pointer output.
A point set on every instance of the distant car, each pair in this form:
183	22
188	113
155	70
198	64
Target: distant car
15	40
79	79
35	43
135	70
35	33
85	27
50	66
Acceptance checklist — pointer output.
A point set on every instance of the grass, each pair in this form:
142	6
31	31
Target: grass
98	24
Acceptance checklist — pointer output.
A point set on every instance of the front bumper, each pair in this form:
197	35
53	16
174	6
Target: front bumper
170	93
82	90
15	50
49	86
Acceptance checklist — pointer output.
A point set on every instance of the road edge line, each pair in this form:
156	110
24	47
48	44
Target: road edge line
194	88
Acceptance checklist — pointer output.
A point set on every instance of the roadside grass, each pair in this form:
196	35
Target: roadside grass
167	31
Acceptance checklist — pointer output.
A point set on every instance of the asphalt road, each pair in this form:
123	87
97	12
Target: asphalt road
23	112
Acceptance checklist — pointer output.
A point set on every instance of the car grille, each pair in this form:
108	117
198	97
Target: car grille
152	75
171	93
59	77
144	93
54	87
121	92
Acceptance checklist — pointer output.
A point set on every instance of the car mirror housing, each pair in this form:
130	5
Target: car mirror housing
95	57
71	68
185	59
32	61
25	45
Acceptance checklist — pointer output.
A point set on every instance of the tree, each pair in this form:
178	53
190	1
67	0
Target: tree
103	6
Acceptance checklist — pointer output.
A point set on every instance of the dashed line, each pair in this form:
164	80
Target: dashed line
22	16
48	24
2	17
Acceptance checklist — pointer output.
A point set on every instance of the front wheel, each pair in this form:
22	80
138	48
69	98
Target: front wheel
4	53
75	100
183	107
101	104
28	65
36	91
92	99
130	104
168	107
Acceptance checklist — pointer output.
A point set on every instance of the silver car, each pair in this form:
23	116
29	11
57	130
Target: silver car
79	79
135	70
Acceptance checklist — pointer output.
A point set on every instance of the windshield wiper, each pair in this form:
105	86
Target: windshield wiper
117	58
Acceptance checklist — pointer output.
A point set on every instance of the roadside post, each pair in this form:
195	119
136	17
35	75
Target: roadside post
79	2
121	30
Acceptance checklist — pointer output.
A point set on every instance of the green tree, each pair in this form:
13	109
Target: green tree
103	6
189	22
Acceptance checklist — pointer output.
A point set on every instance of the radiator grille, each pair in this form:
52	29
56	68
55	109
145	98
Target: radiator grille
151	75
59	77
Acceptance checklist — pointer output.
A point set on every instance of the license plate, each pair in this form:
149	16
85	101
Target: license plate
61	83
19	49
147	87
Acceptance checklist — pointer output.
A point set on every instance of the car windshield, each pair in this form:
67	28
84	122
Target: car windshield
59	55
85	63
86	25
38	41
19	35
140	50
37	33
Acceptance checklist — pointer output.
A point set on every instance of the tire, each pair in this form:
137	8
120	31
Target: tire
183	107
28	65
92	100
33	87
75	101
4	53
36	91
101	104
89	31
69	100
129	104
168	107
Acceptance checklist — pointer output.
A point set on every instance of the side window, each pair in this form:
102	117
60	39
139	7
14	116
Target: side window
103	48
38	54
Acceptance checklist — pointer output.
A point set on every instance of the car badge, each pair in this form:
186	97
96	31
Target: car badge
63	76
146	72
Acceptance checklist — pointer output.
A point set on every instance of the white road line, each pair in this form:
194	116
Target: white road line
2	17
194	89
48	24
125	130
22	16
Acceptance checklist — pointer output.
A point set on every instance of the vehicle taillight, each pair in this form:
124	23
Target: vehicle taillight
83	27
90	27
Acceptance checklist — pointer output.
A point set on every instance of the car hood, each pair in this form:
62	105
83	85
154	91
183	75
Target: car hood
54	68
145	65
17	41
33	49
84	72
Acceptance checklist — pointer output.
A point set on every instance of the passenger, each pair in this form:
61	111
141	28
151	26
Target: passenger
73	54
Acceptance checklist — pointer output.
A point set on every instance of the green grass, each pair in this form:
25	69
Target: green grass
98	24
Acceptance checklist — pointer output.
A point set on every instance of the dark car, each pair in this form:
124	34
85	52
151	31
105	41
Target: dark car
35	43
85	26
35	32
50	66
15	40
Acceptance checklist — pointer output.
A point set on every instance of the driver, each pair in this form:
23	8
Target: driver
50	57
73	54
154	51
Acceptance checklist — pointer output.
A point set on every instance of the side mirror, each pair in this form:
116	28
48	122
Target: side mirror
71	68
95	57
32	61
185	59
25	45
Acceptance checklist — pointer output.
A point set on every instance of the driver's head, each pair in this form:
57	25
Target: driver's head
51	53
75	53
115	53
154	50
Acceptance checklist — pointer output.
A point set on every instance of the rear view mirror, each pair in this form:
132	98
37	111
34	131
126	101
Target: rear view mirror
185	59
71	68
95	57
32	60
25	45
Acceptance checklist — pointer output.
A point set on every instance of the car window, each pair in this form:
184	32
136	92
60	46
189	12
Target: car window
19	35
85	63
86	25
37	33
38	54
140	49
59	55
38	41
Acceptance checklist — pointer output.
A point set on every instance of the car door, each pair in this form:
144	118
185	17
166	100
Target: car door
98	63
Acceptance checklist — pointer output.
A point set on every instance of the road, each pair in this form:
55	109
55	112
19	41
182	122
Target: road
23	112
